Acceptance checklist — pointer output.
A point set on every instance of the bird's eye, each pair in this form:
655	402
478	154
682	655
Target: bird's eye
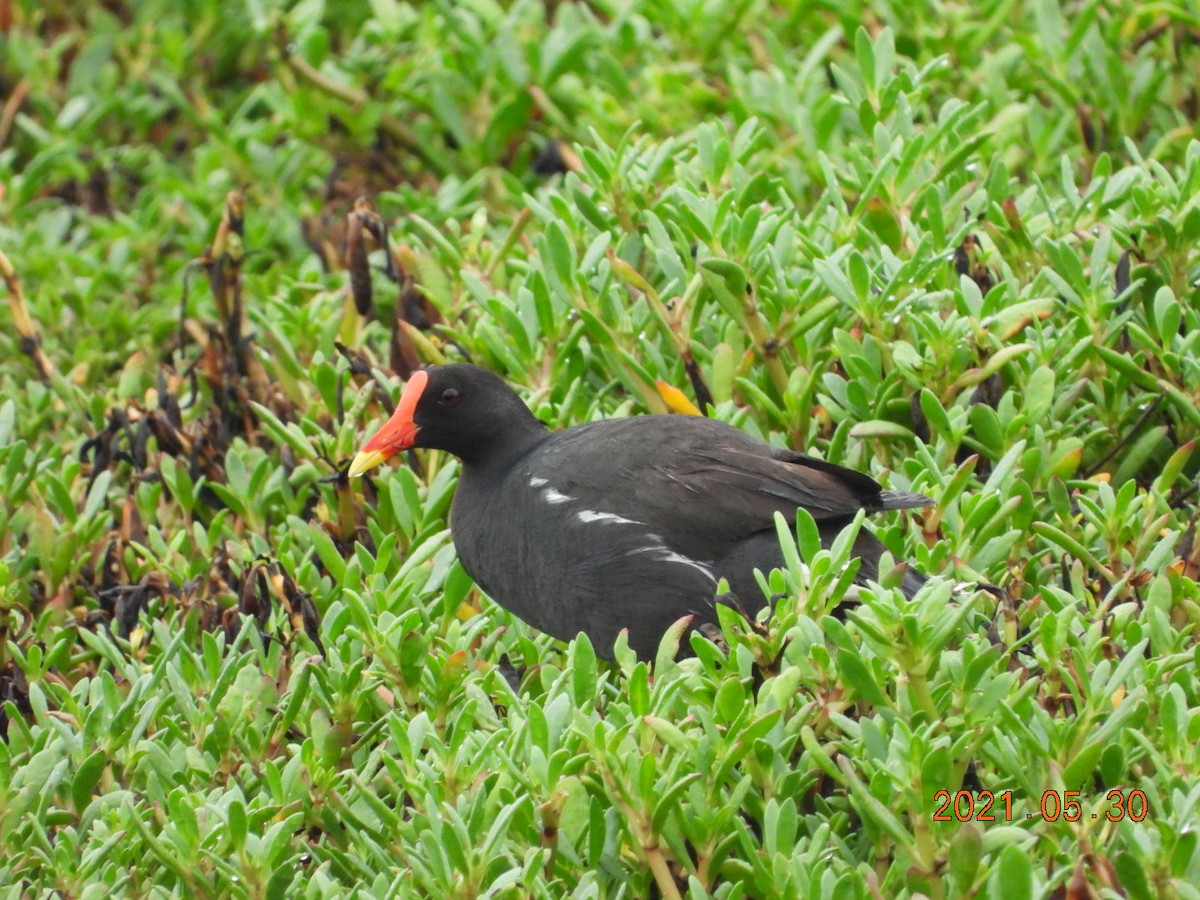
449	397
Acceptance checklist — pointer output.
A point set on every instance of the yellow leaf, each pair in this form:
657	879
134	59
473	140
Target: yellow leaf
676	400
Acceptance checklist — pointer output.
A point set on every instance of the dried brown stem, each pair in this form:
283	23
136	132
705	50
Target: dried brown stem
31	341
365	231
224	263
9	113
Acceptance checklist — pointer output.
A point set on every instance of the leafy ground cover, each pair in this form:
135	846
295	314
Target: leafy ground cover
953	245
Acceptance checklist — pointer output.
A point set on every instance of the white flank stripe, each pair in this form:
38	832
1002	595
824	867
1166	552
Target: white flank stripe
665	554
659	548
671	556
590	515
550	495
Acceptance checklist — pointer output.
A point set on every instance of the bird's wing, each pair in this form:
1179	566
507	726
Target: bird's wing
713	485
738	492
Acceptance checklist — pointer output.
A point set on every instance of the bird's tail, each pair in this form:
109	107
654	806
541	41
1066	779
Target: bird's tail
903	500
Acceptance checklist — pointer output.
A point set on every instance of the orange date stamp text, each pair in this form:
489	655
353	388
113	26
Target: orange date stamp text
985	806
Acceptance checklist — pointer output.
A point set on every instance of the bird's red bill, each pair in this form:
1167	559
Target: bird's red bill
400	431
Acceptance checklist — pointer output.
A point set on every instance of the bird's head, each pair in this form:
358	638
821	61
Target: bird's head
463	409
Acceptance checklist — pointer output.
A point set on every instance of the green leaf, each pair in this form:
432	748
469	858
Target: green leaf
878	428
727	281
966	850
731	700
1079	770
1039	393
1012	875
1132	872
8	419
87	776
858	675
583	671
639	690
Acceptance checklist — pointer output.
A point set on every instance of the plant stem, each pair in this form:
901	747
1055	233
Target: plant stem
31	341
393	128
766	345
920	689
662	873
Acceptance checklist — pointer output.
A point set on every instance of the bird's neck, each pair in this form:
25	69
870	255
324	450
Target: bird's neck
499	453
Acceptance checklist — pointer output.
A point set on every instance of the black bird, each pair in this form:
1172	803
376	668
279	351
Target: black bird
623	523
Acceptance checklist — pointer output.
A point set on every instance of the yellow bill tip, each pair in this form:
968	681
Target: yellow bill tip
364	461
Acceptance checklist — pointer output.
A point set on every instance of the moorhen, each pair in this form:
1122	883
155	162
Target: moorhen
622	523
